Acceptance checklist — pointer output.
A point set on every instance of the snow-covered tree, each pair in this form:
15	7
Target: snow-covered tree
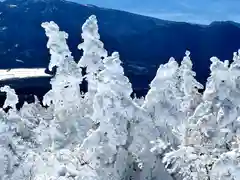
68	76
210	137
93	52
189	86
105	148
15	135
57	44
163	101
68	125
173	95
144	147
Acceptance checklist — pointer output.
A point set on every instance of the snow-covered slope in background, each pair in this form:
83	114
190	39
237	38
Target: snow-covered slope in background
6	74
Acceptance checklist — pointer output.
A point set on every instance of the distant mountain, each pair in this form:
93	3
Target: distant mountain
143	42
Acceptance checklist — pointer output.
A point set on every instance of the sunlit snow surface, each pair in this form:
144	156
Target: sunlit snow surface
22	73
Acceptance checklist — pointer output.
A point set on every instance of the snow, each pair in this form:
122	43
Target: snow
19	73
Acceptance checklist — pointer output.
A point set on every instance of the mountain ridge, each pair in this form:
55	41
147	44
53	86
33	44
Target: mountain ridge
112	9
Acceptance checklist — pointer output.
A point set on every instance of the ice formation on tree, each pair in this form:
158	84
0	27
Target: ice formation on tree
69	123
105	148
172	97
211	139
189	86
162	102
93	54
174	132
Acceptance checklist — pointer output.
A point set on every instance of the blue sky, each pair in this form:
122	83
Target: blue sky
197	11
